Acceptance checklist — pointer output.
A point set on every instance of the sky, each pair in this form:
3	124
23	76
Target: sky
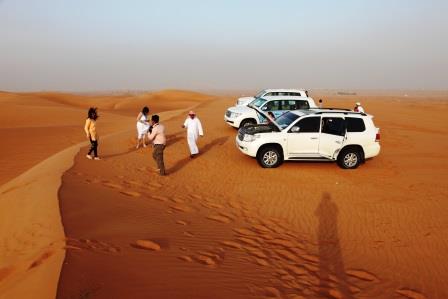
98	45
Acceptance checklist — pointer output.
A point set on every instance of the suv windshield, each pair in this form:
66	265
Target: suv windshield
258	102
286	119
260	94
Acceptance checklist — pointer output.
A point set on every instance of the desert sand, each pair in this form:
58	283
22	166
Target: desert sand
217	226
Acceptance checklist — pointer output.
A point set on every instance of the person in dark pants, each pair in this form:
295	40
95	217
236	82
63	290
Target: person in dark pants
91	134
158	139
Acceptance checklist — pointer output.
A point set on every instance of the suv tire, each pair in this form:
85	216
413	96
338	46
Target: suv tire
349	158
247	122
270	157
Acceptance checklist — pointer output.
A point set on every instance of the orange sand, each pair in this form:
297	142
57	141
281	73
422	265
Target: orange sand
220	226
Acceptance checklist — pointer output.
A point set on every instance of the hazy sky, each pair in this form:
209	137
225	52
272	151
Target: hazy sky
85	45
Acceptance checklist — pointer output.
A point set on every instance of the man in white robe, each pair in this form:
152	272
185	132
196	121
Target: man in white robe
194	130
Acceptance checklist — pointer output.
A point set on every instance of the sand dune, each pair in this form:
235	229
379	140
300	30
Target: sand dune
219	226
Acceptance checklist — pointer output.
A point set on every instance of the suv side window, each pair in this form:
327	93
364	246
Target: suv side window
272	106
309	124
333	126
355	124
295	94
301	104
289	105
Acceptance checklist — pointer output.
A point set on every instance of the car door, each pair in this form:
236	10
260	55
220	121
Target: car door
304	143
332	135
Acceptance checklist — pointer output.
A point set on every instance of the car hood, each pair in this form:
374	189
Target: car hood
243	101
240	109
261	128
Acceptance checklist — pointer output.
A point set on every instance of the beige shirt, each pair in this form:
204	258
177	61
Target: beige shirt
90	128
158	134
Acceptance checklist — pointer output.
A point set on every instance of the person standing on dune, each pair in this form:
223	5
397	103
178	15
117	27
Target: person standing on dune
158	139
90	129
142	126
194	130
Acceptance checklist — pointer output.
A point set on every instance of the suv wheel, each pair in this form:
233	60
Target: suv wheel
270	157
247	122
349	158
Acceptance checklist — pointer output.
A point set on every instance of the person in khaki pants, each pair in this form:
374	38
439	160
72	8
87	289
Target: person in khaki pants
158	139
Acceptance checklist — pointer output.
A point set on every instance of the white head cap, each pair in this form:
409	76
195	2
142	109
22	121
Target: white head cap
358	104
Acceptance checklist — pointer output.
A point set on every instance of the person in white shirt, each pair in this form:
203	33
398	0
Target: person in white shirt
194	130
142	127
358	108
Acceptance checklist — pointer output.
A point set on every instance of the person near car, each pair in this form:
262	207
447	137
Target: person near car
158	138
358	108
142	127
194	130
91	133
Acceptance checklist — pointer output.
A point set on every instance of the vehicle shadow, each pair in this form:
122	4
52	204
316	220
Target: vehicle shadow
330	254
202	151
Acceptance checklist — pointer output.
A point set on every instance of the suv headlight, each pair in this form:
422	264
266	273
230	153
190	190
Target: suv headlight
235	114
250	138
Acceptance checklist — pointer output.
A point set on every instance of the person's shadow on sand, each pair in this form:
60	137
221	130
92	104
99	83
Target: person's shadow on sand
181	163
330	255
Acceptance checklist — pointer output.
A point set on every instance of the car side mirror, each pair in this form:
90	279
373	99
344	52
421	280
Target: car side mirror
295	129
264	108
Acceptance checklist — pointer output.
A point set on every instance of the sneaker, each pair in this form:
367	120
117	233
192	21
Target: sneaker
97	158
89	157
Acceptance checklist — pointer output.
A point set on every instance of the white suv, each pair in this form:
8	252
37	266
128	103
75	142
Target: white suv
316	134
273	92
244	115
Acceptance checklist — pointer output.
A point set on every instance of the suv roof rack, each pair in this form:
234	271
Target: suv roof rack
343	112
332	108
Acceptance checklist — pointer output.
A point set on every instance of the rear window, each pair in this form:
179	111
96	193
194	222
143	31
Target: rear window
355	124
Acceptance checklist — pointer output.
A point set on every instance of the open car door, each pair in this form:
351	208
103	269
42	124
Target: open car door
332	136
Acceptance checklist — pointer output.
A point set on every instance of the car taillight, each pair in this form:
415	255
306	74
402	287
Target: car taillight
377	137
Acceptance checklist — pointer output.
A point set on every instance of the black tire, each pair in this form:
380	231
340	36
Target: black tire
247	122
270	157
349	158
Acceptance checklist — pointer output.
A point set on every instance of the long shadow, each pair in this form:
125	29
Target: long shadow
181	163
330	254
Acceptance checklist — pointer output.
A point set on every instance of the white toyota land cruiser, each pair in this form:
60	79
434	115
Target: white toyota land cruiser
244	115
316	134
272	92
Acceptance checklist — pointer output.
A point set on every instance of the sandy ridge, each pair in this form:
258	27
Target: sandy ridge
33	244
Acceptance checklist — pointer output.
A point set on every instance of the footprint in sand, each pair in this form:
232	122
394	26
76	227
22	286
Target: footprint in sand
177	200
231	244
147	245
282	242
287	255
181	222
131	193
244	231
112	185
411	294
188	234
361	274
196	196
181	208
185	258
219	218
159	197
248	241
